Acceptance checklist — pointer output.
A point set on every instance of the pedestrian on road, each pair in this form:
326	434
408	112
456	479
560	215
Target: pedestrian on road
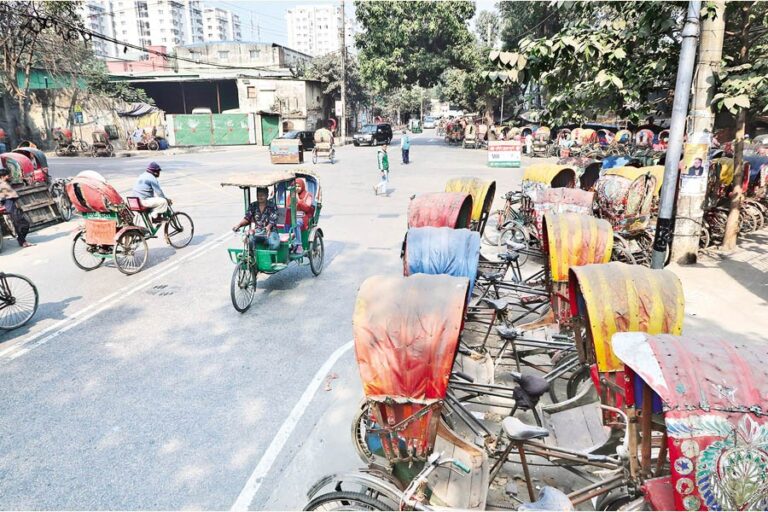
147	188
383	161
529	144
8	198
405	147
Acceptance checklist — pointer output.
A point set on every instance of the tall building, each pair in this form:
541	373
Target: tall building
221	25
314	29
97	17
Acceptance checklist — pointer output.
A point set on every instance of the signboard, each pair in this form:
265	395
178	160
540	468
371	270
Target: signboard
504	153
78	108
77	118
338	108
694	169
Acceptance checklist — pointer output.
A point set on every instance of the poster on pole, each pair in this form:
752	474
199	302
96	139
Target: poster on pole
694	169
504	153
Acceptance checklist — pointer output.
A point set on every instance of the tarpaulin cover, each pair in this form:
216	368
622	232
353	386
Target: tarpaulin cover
24	162
90	195
632	173
454	252
546	173
573	239
440	209
406	332
482	193
138	109
715	403
623	298
35	155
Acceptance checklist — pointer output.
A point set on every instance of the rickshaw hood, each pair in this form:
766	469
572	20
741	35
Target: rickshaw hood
440	209
482	193
573	239
434	251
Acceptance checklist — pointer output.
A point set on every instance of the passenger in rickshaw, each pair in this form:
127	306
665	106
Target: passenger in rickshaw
147	189
263	216
304	210
8	198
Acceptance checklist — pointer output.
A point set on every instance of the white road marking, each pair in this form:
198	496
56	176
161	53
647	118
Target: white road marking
42	337
254	482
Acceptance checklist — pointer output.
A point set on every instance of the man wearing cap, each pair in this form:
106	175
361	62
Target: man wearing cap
147	188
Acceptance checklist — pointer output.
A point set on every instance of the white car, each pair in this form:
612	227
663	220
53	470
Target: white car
429	122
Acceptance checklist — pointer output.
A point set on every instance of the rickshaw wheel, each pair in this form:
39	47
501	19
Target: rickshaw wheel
516	233
20	301
344	500
621	251
317	254
358	433
71	149
82	255
60	151
242	287
704	238
130	252
65	207
179	230
314	156
153	145
110	150
332	156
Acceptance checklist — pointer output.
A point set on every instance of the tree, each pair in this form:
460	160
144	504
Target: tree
487	28
327	70
532	19
403	102
405	44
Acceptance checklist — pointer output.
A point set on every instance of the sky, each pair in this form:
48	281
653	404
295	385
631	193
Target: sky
269	16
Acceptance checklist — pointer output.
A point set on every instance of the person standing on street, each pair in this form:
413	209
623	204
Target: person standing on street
528	144
8	198
405	147
383	161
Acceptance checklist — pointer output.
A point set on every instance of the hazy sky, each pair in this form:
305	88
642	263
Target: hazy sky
269	16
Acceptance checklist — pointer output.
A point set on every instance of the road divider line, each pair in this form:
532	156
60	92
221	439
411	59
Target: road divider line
42	337
264	466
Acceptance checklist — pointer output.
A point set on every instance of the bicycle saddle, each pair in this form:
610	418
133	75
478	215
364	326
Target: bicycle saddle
519	431
496	304
549	499
533	385
495	276
509	256
507	333
515	246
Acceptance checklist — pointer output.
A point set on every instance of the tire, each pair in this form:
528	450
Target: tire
358	434
316	254
179	230
72	149
621	251
356	144
94	152
242	288
65	207
84	147
82	254
110	150
60	151
18	301
153	145
131	252
516	232
332	156
314	156
343	500
704	238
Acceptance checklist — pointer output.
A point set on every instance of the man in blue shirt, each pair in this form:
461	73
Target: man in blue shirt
405	146
147	188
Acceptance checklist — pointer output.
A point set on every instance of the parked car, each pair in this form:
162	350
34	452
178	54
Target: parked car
201	110
429	122
373	135
307	138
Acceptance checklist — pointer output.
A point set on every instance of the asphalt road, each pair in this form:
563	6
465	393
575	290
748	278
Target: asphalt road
150	391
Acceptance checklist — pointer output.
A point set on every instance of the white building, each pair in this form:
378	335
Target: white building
221	25
97	17
314	29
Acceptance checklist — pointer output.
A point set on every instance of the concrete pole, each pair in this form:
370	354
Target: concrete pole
677	126
343	43
690	211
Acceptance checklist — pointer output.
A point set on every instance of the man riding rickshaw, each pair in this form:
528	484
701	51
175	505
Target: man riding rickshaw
323	145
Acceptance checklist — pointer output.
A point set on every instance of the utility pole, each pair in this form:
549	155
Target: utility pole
677	126
690	202
343	52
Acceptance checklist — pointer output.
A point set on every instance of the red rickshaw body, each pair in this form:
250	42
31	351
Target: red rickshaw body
39	164
24	163
89	195
441	209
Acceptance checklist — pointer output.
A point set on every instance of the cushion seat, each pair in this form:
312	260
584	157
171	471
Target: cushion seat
134	204
519	431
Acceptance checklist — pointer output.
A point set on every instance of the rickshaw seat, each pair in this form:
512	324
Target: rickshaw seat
134	204
507	333
519	431
491	276
510	257
496	304
550	499
534	385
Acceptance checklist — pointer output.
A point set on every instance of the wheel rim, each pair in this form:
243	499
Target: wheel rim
18	302
65	208
316	254
179	230
131	252
83	254
243	288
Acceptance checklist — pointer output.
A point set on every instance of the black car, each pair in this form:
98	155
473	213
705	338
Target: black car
373	135
307	138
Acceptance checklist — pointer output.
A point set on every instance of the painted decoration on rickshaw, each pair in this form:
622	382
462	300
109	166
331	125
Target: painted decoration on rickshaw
455	252
573	239
482	193
624	197
100	231
19	165
560	200
713	395
90	195
617	297
623	137
440	209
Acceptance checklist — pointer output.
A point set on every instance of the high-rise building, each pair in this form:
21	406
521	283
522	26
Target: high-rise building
97	17
221	25
314	29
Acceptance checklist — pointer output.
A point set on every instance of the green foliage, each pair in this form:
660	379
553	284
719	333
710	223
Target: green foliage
327	70
97	78
405	44
406	100
487	28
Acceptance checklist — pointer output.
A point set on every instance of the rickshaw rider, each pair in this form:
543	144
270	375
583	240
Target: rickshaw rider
147	188
263	215
304	209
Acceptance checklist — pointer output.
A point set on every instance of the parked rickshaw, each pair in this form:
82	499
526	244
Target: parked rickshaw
39	161
323	145
64	142
624	197
119	230
623	137
470	136
415	126
101	145
441	209
700	433
20	166
250	260
454	133
541	142
482	193
644	138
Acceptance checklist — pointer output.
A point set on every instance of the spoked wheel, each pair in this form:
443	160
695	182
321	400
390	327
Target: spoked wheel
621	251
704	238
110	150
316	254
243	287
332	156
131	252
360	426
83	253
65	207
314	156
514	232
179	230
153	145
83	146
343	500
18	301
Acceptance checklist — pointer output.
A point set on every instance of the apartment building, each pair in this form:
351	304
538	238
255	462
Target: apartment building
314	29
221	25
97	17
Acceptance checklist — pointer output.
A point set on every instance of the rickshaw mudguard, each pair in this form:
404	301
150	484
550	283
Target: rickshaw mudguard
482	193
617	297
440	209
714	404
313	233
368	480
141	229
573	239
455	252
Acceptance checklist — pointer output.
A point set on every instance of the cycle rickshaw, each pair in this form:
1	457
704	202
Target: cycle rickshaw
39	172
101	144
323	145
250	261
118	230
482	193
